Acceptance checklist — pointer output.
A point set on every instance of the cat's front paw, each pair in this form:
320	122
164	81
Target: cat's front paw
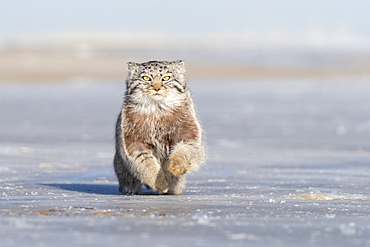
161	184
177	166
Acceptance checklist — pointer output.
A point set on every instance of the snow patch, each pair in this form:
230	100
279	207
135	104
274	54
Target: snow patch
327	196
52	165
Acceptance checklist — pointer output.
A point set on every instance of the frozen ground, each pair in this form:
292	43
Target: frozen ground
289	165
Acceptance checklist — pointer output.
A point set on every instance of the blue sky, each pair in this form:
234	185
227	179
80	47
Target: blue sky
19	17
335	18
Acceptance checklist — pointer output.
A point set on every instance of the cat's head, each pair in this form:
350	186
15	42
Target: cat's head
156	80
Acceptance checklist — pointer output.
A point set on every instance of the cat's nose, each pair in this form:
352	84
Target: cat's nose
157	88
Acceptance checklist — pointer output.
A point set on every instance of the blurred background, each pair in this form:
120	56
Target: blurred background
69	40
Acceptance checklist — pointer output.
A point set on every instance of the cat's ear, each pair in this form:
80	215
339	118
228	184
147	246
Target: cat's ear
132	66
180	66
133	69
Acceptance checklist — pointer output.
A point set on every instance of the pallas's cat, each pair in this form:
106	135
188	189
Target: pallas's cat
158	135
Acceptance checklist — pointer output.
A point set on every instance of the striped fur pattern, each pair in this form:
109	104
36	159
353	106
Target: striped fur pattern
158	135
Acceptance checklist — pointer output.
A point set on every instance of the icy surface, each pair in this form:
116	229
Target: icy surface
288	165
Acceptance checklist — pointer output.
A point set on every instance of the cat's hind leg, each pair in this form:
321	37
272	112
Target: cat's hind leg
128	184
176	184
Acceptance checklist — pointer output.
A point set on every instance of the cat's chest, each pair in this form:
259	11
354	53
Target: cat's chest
165	128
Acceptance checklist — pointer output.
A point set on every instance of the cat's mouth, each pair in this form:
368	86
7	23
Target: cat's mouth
157	94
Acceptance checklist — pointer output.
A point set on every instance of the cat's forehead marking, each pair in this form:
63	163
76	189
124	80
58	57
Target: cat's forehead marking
155	68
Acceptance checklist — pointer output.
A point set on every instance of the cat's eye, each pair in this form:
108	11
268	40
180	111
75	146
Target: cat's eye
165	78
146	78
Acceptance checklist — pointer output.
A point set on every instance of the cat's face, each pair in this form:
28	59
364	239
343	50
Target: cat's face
156	80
